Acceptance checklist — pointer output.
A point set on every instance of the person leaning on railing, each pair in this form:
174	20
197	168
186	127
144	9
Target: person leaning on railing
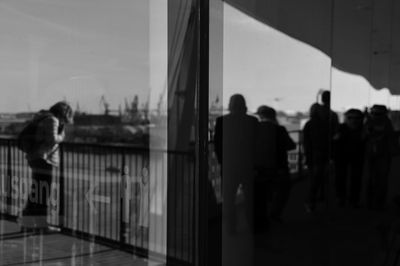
42	159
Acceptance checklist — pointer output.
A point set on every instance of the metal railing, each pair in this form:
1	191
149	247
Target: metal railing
296	157
112	193
109	193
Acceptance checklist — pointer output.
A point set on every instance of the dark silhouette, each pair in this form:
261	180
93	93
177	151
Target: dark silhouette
235	135
49	133
317	145
349	158
379	135
318	136
272	180
328	113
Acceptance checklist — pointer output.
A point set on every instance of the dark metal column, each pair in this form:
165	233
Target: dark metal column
202	142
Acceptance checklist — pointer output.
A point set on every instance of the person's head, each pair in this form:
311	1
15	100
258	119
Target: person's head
378	110
354	118
378	113
326	98
315	110
237	104
63	112
266	112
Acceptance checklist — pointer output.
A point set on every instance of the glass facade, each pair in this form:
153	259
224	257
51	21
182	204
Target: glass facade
293	65
201	133
106	201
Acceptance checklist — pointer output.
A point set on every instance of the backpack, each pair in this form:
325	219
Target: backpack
26	140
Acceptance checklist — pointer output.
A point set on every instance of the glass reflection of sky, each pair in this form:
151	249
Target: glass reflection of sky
272	68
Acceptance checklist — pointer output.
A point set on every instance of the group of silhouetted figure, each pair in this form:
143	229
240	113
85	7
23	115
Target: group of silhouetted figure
253	154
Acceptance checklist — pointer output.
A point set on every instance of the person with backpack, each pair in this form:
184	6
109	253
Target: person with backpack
40	141
273	181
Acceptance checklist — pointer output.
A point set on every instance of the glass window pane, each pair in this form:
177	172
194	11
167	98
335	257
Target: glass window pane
108	61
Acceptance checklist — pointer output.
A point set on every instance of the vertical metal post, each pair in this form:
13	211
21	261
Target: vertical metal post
328	180
61	189
9	177
122	225
202	126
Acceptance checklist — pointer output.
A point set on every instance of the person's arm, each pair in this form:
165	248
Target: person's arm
52	132
288	141
307	142
336	122
389	126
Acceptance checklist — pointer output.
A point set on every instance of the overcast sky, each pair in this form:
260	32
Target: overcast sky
74	49
80	50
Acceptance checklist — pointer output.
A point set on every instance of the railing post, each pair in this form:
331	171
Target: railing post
9	176
124	226
61	188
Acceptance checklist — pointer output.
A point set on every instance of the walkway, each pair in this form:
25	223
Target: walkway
57	250
332	236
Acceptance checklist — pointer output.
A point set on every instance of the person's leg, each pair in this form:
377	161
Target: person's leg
44	185
324	172
374	183
229	207
383	168
356	169
340	181
316	181
319	170
39	193
248	190
310	202
282	185
370	182
31	205
260	203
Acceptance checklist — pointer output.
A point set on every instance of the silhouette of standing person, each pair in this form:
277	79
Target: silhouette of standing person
379	132
42	159
349	158
235	135
316	145
328	114
318	136
273	143
332	120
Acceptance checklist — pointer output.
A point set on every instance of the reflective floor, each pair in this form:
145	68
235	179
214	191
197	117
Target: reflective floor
57	249
332	235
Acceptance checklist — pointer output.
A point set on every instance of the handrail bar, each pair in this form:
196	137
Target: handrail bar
132	147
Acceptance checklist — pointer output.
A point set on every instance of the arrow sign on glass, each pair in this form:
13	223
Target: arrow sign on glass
91	197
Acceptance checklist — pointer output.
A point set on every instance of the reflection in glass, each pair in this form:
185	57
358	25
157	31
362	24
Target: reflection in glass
109	61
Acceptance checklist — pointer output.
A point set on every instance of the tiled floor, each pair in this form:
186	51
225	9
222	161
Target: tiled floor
56	249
